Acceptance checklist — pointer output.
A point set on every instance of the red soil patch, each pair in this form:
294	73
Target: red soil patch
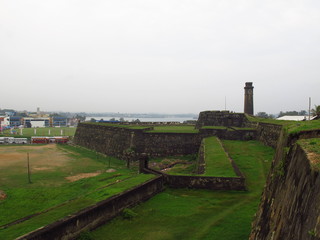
2	195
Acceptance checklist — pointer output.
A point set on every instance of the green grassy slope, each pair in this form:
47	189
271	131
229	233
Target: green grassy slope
51	190
199	214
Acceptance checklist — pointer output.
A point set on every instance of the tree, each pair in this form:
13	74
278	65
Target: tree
264	115
80	117
316	111
303	113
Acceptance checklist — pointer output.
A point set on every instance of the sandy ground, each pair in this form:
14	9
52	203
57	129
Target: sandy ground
82	175
42	157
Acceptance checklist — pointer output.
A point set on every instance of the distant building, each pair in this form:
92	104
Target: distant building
4	122
59	121
16	121
36	122
295	118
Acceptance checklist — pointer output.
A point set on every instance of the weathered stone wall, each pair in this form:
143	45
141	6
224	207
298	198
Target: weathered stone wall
168	144
221	118
111	141
201	164
230	134
289	206
269	134
94	216
202	182
114	141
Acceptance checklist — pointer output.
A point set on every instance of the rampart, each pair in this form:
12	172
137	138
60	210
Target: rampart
115	141
289	206
94	216
221	118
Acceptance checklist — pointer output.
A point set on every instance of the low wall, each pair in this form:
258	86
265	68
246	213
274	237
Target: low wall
201	164
198	182
94	216
202	182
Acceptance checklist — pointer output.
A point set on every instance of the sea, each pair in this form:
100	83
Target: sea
164	119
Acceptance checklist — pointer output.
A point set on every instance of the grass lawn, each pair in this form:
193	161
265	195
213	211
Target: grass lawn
199	214
216	159
116	125
303	126
175	129
65	179
47	131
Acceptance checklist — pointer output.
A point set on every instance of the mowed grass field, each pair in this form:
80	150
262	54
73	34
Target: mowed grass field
64	180
47	131
199	214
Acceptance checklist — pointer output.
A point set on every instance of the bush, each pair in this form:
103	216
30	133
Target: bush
85	236
128	213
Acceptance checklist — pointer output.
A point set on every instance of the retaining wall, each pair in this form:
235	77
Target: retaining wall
94	216
289	206
268	133
202	182
198	182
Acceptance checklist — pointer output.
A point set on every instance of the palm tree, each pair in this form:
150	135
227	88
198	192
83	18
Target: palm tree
316	111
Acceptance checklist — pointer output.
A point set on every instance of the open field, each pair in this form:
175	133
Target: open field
199	214
48	131
65	179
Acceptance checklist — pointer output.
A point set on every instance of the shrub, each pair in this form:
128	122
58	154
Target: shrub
128	213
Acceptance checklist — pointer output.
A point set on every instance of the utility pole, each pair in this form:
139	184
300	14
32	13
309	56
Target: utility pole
29	173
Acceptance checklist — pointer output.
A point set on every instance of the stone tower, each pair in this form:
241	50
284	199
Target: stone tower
248	98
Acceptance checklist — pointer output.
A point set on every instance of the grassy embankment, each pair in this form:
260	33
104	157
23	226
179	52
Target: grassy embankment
199	214
290	126
51	193
216	159
312	147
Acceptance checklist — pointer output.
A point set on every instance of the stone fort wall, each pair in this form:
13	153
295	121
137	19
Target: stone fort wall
221	118
115	141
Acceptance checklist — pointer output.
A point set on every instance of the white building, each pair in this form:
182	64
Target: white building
295	118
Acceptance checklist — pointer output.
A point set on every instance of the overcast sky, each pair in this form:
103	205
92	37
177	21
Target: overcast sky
168	56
